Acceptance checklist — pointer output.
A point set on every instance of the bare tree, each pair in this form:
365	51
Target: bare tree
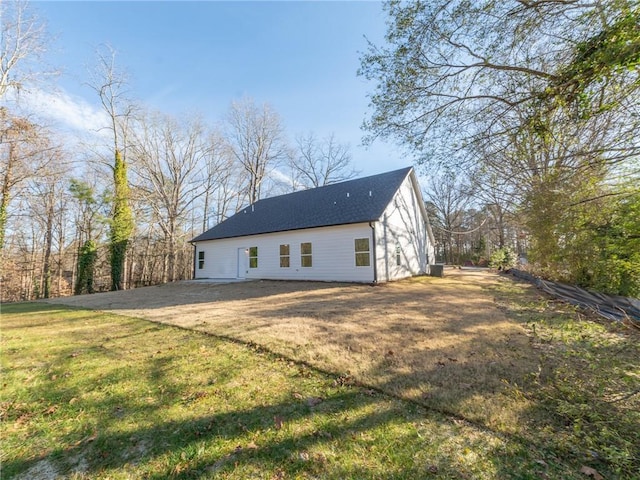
169	157
450	198
257	141
231	195
23	147
33	238
110	85
499	202
23	40
321	162
217	164
45	198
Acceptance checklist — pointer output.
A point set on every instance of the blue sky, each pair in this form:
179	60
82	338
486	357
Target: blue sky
197	57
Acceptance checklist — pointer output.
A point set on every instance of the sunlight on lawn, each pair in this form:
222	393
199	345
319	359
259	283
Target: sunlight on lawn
473	345
100	396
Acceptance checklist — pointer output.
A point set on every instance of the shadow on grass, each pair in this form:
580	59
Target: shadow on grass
285	452
350	433
575	411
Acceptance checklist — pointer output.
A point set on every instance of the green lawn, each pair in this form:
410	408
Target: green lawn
93	395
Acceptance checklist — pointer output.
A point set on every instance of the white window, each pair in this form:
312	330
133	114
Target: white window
284	256
398	256
200	260
363	253
306	255
253	257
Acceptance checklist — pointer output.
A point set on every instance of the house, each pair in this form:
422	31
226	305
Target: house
371	229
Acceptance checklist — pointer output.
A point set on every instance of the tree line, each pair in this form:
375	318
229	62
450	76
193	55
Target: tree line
119	213
523	115
533	106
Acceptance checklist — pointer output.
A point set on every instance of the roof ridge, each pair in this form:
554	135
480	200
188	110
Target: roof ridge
337	184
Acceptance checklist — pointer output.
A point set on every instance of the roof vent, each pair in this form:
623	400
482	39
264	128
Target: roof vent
347	194
369	192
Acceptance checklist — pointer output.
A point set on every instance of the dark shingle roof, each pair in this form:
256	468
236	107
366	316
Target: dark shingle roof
353	201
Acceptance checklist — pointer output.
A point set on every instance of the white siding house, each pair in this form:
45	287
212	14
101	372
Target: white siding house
372	229
404	238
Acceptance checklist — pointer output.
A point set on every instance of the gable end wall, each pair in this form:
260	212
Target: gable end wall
403	225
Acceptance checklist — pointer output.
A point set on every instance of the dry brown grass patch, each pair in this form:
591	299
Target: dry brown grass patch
440	341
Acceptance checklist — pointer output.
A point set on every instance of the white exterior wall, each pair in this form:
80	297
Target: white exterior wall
333	255
403	225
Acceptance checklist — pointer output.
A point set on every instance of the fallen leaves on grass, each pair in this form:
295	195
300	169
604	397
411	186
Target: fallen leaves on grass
313	401
248	446
344	380
303	456
591	472
87	439
194	397
278	475
51	410
278	422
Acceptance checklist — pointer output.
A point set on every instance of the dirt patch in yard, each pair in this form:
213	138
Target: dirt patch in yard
444	342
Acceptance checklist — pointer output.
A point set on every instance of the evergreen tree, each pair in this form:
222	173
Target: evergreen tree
86	266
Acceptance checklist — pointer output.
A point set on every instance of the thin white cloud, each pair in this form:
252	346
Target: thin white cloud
158	98
68	111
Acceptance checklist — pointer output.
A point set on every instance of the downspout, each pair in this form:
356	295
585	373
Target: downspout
375	246
195	248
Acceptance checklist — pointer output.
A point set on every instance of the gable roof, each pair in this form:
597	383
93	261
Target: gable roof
354	201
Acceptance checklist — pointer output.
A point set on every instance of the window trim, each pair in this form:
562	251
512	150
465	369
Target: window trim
304	256
286	256
253	259
360	253
201	260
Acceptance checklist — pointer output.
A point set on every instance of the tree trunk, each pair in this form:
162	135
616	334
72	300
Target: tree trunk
4	200
48	238
122	224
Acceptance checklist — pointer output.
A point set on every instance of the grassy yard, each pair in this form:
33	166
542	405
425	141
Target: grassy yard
96	395
585	396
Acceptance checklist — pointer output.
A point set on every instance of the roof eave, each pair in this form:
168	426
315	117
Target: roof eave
367	221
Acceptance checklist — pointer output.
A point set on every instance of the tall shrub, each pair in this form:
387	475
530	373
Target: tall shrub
86	265
503	258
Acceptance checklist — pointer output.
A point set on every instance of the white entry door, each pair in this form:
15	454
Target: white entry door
243	262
